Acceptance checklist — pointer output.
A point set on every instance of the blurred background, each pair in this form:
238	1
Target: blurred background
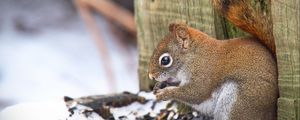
55	48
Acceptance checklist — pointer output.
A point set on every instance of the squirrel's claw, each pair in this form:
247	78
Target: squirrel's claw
166	93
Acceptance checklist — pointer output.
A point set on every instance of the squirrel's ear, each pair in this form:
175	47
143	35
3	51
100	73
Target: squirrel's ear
180	30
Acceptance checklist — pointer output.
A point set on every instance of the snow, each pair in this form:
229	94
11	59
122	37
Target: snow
79	114
46	110
55	56
137	109
57	110
68	65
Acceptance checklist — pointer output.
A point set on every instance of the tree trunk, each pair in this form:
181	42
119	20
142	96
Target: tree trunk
286	20
153	18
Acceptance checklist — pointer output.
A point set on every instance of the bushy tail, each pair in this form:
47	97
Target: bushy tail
242	14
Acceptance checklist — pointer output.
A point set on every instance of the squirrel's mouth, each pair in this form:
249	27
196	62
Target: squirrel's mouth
169	82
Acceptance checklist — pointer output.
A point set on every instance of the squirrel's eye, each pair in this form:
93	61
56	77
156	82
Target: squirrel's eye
165	60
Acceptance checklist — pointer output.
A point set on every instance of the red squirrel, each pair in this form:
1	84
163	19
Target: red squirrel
232	79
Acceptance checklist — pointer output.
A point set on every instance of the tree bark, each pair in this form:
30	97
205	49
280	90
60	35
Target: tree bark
286	20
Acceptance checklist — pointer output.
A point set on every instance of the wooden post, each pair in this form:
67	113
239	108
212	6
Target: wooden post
286	20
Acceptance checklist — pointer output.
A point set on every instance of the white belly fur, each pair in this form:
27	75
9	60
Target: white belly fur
220	104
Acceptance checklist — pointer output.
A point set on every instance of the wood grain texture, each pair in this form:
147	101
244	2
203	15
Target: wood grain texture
225	30
286	20
153	18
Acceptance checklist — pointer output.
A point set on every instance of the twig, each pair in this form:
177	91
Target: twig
114	12
92	27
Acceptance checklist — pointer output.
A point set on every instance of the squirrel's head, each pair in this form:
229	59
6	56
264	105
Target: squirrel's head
167	61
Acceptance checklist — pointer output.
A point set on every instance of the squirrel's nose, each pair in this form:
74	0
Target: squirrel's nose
151	76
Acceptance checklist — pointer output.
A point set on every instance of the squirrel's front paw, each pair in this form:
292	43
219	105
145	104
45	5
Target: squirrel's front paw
166	93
